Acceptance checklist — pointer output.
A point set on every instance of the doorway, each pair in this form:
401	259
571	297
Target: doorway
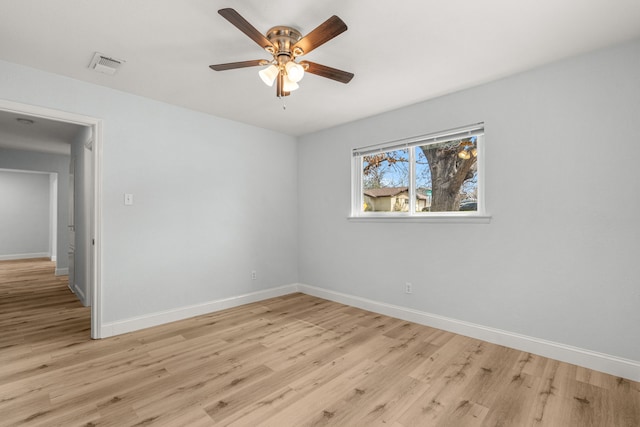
93	213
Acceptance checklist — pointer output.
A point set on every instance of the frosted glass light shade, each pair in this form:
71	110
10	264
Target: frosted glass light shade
294	71
269	74
288	85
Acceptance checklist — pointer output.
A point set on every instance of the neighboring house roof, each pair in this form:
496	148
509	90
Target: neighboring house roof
389	192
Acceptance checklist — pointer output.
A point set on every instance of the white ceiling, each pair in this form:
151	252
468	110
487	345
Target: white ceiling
401	52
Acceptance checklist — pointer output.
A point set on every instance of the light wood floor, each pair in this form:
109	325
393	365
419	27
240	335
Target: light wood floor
291	361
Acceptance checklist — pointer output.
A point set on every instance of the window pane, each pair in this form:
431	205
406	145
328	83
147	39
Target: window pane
385	182
447	176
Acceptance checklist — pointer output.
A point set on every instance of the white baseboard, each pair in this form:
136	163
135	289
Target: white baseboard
62	271
155	319
609	364
613	365
11	257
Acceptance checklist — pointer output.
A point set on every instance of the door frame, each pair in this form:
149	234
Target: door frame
96	126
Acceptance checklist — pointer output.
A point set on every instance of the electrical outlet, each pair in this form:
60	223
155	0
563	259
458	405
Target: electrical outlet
407	288
254	275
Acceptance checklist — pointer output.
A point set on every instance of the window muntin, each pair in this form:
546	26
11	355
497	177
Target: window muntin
431	175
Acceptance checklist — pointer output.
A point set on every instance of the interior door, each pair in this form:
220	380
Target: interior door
72	226
86	239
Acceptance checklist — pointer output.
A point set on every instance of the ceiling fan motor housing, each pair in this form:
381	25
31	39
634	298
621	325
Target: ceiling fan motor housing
283	39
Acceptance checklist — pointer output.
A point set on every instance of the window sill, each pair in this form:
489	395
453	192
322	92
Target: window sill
442	219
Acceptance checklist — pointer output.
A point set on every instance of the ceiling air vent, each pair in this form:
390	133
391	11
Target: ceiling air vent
104	64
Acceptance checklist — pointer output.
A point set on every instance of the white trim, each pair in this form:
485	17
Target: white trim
95	285
25	256
62	271
609	364
159	318
53	216
46	113
448	219
96	126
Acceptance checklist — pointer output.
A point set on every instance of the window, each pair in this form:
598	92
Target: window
436	175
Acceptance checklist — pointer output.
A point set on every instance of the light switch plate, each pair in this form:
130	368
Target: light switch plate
128	199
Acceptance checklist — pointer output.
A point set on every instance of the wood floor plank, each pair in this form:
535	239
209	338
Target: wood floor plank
294	360
320	401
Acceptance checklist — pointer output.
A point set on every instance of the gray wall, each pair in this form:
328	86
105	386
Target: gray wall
213	199
559	260
24	214
45	162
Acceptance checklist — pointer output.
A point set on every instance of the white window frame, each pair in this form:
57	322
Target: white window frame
357	195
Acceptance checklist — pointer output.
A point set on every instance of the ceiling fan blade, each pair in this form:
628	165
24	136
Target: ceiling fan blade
328	72
242	64
243	25
323	33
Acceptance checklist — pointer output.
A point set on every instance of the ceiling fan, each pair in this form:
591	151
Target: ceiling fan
286	44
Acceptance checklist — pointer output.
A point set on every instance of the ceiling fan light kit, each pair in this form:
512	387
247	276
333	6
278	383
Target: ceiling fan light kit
288	85
269	74
295	71
285	44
